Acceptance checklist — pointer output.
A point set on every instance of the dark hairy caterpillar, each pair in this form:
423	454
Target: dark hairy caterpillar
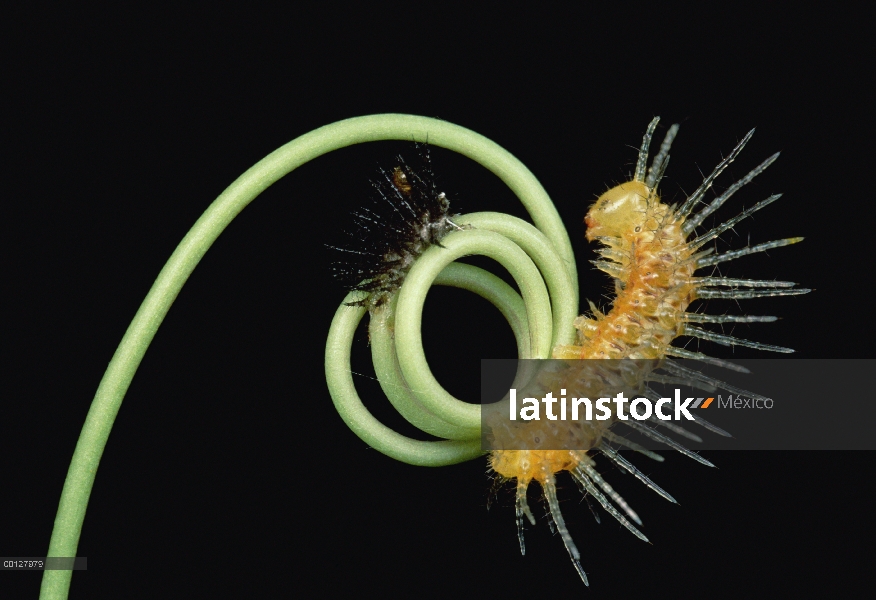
408	214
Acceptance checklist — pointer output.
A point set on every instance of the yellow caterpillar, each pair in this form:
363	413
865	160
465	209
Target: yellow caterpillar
652	252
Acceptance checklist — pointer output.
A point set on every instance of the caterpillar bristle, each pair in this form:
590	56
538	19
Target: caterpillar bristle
659	437
594	476
696	220
678	381
622	441
694	258
612	254
610	268
675	428
642	163
522	508
608	240
749	294
408	214
701	318
581	476
682	353
630	468
728	282
658	177
733	254
729	340
674	367
658	167
550	493
590	506
698	194
595	310
710	235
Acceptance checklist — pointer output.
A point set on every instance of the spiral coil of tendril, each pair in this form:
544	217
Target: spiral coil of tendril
539	258
541	318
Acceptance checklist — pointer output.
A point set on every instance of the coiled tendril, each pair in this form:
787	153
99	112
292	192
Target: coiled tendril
541	263
539	258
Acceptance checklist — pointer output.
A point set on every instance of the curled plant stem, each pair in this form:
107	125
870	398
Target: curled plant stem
356	416
127	358
409	312
396	342
381	333
562	288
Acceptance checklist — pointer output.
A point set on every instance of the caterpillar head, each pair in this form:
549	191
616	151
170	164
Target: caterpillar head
621	209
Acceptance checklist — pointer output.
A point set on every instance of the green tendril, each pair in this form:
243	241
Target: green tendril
386	365
539	258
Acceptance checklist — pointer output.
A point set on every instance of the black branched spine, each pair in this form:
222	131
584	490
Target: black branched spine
407	215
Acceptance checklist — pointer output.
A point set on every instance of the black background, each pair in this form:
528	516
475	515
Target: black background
228	470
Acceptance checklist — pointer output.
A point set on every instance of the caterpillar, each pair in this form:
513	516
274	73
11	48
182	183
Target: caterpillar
408	214
652	252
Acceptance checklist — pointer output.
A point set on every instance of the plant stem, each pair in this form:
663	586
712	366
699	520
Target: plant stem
127	358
